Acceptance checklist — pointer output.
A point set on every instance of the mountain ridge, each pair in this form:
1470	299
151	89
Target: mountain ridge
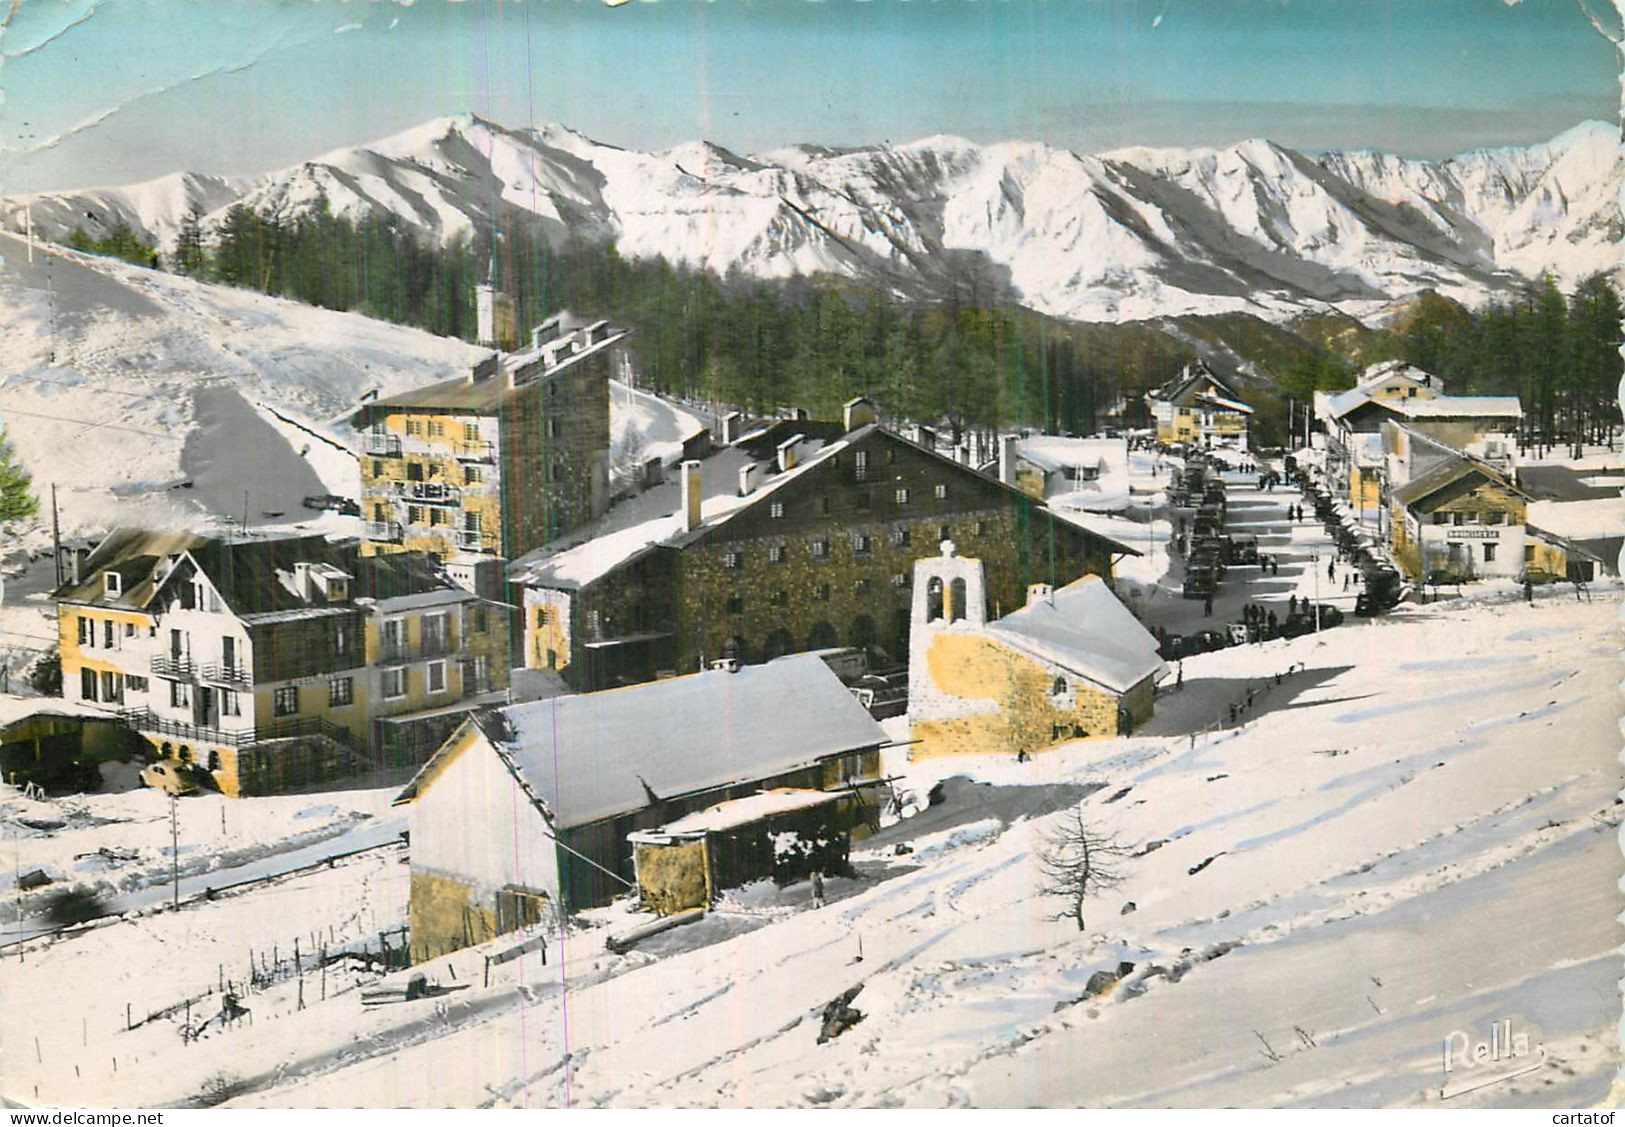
1129	234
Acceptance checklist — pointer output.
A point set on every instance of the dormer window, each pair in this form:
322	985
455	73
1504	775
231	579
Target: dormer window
112	583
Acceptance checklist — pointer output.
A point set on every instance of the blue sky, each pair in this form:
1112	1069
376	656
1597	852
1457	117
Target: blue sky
109	91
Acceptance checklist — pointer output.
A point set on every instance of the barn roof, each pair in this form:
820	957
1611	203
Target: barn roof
597	755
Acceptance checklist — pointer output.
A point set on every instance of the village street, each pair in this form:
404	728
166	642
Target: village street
1261	514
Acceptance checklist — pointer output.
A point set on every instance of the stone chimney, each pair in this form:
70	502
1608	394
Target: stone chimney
732	423
747	479
787	452
1007	459
691	495
858	412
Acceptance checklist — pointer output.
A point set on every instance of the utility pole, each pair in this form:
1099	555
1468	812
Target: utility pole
174	852
1314	571
56	536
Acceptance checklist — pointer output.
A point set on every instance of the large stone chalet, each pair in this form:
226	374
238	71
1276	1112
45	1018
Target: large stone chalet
799	535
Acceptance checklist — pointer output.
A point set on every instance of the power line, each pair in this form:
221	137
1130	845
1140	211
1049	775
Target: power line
107	425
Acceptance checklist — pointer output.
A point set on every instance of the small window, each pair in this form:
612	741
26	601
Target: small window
775	553
437	676
736	604
180	694
899	538
340	691
471	432
1441	518
230	703
775	509
87	684
555	427
542	616
862	543
437	517
860	465
112	582
733	559
821	593
109	634
377	468
437	428
981	528
414	427
1458	519
823	506
902	495
285	701
414	471
1528	553
394	683
1489	553
135	684
941	491
900	580
820	549
87	632
414	514
129	629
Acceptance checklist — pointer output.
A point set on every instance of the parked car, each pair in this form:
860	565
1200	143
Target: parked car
1200	582
167	776
1206	641
334	503
1244	549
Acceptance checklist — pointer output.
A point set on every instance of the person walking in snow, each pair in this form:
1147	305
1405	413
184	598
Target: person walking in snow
1528	591
817	889
1179	675
1331	569
1345	581
1207	607
1271	623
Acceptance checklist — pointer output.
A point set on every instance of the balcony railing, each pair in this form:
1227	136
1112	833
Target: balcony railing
146	720
386	531
171	665
475	452
393	653
473	540
221	673
426	492
385	444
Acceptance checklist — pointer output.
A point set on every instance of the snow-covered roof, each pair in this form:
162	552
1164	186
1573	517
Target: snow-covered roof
1227	404
1051	452
14	709
1448	473
1596	519
595	755
1083	628
1464	407
743	811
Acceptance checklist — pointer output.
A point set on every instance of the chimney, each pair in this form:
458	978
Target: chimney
964	453
485	313
858	412
1007	459
731	425
1040	593
926	437
787	453
747	479
654	472
691	495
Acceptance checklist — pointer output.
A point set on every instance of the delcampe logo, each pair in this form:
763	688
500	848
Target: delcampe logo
1472	1063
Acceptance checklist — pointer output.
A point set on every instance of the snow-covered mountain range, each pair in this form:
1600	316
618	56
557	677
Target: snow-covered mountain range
1137	233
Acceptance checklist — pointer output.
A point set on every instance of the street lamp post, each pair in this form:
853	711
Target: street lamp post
1314	572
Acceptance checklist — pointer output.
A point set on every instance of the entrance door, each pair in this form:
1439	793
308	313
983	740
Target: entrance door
205	708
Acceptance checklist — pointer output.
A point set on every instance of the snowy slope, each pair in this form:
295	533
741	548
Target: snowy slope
1127	235
1321	897
119	384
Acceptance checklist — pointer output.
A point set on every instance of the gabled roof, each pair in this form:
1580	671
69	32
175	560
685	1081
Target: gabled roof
1464	407
598	755
1083	628
244	572
134	553
1448	473
651	520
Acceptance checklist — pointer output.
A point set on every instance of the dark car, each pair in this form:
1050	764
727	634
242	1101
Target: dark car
334	503
1206	641
1200	582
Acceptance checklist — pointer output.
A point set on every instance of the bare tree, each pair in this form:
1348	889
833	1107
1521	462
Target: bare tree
1077	861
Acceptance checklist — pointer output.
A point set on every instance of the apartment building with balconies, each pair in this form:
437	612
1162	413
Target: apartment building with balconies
498	462
247	662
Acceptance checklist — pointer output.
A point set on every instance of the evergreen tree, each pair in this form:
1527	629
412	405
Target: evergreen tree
190	257
17	500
